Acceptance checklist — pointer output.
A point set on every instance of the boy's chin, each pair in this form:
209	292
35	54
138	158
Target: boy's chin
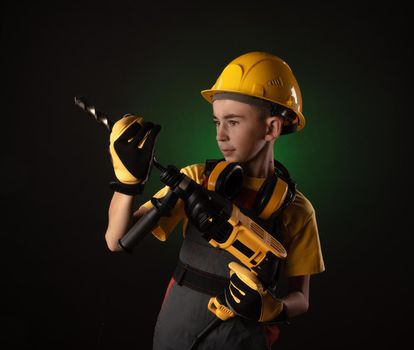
231	159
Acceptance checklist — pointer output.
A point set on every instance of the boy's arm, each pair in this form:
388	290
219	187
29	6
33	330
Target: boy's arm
132	150
120	219
297	299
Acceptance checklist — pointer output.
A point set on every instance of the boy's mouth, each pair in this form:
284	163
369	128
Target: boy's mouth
227	151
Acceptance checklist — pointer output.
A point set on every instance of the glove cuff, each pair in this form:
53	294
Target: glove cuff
130	190
282	318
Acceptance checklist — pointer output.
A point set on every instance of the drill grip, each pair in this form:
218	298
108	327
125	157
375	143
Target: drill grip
141	228
162	207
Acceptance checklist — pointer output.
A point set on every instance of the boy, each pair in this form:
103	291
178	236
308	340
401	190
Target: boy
255	100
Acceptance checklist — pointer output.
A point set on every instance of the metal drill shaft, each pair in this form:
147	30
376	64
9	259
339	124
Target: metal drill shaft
101	118
91	110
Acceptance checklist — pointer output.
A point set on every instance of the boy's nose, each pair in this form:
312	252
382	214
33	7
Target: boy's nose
221	134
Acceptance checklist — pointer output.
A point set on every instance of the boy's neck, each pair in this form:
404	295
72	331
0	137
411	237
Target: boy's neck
262	165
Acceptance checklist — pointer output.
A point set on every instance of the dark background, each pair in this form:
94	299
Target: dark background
62	287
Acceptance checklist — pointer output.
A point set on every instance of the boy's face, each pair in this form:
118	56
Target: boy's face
240	130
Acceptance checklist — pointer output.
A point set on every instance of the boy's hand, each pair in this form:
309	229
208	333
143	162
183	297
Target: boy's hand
132	152
246	297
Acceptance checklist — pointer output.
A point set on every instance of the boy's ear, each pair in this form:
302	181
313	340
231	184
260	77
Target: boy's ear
274	127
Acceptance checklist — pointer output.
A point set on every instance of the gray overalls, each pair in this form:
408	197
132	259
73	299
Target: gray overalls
184	312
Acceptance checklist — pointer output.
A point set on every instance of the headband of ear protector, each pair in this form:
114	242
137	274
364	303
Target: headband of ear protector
274	195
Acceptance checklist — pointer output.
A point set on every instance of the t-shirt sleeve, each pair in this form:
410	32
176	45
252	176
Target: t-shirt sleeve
167	223
304	253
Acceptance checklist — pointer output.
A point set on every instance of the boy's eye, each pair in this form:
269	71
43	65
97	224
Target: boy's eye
230	122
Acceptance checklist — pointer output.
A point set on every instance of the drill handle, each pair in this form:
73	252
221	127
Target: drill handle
162	207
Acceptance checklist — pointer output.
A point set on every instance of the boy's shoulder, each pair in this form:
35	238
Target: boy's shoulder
299	212
303	204
194	171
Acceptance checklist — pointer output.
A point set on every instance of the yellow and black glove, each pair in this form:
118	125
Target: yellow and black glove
246	297
132	152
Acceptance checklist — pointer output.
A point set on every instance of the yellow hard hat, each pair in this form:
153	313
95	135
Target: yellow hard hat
264	76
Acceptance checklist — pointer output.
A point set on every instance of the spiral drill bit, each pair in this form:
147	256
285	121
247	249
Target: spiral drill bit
101	118
91	110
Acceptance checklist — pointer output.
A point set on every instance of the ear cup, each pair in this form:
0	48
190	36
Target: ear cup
275	194
226	179
270	197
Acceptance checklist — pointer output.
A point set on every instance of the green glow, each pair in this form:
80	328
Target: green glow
318	157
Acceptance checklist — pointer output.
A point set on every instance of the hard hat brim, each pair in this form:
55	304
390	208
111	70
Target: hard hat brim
209	94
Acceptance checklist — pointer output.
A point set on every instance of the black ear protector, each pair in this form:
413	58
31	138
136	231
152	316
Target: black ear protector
275	194
224	178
